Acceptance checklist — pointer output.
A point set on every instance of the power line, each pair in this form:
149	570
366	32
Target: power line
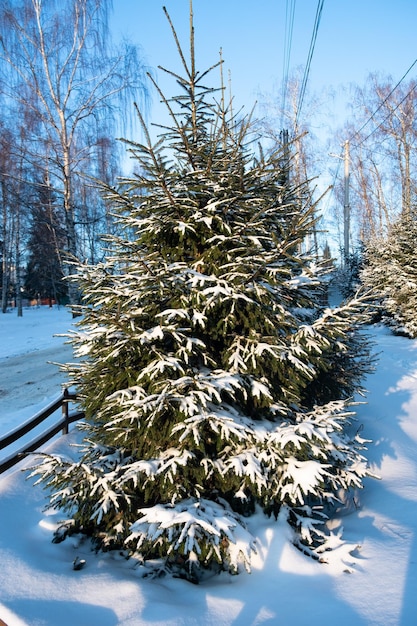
382	104
309	58
387	116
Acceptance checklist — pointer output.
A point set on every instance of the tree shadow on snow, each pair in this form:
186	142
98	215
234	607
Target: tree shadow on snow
390	506
62	612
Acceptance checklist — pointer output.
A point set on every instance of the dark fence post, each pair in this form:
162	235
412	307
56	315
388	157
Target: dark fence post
65	412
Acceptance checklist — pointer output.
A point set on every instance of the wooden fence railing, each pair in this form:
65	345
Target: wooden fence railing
66	419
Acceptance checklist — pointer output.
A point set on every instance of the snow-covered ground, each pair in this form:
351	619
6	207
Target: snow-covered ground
29	376
38	585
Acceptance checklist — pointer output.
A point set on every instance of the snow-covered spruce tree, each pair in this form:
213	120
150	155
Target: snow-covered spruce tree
391	272
212	380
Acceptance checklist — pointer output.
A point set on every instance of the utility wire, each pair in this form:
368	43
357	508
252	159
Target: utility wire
387	116
309	58
382	104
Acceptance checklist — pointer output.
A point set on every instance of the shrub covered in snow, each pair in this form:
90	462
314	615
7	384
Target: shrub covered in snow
213	380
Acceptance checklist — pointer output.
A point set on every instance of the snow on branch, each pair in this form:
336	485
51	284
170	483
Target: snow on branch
195	527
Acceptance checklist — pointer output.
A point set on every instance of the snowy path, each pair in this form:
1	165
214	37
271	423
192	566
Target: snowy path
29	346
27	380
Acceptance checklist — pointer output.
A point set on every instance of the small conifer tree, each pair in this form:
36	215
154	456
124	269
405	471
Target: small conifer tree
390	271
212	378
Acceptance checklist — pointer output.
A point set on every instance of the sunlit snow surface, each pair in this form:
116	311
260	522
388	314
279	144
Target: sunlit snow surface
38	585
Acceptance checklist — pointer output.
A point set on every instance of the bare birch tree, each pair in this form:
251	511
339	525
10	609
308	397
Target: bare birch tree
383	153
57	63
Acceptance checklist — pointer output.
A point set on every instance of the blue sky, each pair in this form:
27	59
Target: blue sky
354	38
